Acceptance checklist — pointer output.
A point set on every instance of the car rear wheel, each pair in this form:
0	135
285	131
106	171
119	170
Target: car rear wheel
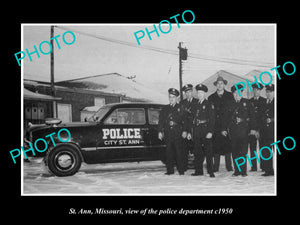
63	160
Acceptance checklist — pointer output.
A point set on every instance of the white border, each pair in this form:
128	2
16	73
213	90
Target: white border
143	24
22	112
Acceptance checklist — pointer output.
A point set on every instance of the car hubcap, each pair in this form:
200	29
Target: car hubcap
65	161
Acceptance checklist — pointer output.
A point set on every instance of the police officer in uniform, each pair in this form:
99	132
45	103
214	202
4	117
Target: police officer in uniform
267	130
241	118
258	103
202	124
221	99
173	128
186	105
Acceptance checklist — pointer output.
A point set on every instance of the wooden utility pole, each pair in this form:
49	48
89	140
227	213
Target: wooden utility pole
52	71
180	72
182	56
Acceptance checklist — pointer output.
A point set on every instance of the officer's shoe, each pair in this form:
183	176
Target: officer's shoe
266	174
235	174
181	173
197	174
211	175
253	170
244	174
169	173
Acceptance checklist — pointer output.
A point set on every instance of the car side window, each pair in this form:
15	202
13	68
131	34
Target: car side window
126	116
153	115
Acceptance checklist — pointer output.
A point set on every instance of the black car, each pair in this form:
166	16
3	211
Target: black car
119	132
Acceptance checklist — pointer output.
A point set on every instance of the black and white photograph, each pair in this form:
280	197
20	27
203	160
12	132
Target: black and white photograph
145	109
149	111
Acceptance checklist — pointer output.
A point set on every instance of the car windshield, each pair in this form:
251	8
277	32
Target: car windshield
99	114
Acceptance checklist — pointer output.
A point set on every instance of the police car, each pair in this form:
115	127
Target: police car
118	132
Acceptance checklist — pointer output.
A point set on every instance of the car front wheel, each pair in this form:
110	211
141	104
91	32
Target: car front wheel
64	160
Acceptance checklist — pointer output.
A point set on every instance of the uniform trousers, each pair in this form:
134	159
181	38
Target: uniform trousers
188	147
253	148
174	152
239	149
267	165
221	146
202	150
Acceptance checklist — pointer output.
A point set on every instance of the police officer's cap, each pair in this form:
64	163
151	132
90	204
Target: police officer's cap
173	91
187	87
255	86
233	88
201	87
270	87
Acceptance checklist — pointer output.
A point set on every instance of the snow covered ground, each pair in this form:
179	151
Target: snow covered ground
140	179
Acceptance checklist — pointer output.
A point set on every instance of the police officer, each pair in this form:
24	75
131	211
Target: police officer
267	130
202	124
258	103
241	117
221	99
186	105
173	128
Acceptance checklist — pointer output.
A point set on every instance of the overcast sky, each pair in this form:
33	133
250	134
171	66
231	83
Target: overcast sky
89	56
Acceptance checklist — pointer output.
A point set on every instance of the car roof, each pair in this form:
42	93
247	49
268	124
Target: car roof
133	104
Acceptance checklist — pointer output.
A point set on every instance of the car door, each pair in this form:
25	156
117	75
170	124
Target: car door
123	135
157	147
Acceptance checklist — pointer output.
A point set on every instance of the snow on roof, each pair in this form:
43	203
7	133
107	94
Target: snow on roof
29	95
256	73
116	83
253	73
231	78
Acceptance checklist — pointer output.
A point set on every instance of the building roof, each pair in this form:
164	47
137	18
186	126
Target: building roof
256	73
29	95
231	78
252	74
115	83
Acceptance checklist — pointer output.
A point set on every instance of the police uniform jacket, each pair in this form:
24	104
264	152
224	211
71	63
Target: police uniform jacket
221	104
258	106
203	119
187	106
172	121
241	118
267	122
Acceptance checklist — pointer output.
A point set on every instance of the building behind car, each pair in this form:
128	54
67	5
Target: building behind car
77	99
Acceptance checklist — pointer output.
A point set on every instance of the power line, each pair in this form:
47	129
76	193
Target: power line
229	61
174	52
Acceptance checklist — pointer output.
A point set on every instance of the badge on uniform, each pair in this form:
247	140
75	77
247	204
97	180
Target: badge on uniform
203	107
244	104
